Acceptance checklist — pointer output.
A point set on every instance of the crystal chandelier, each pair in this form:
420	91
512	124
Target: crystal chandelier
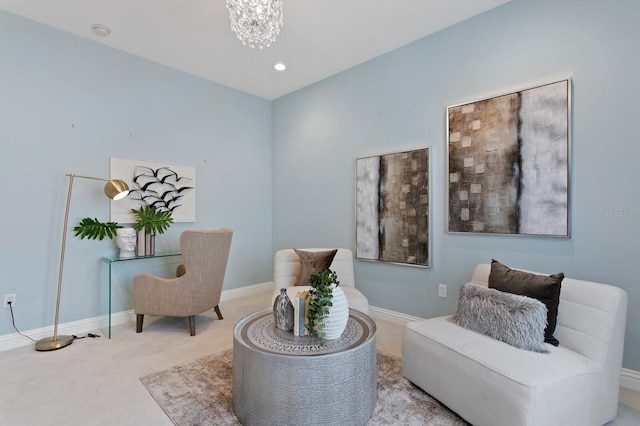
257	23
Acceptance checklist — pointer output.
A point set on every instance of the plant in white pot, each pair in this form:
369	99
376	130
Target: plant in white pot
96	230
152	221
328	310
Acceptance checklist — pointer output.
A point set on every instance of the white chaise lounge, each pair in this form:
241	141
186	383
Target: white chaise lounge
488	382
287	264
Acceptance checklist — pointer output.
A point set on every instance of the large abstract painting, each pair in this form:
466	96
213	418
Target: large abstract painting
166	187
508	163
392	208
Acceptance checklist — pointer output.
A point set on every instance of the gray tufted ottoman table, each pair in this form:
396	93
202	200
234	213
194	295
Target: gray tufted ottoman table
281	379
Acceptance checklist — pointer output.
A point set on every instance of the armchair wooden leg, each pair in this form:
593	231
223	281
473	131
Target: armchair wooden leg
192	325
139	321
217	309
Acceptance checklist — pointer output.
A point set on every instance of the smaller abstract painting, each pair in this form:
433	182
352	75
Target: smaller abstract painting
166	187
392	208
508	163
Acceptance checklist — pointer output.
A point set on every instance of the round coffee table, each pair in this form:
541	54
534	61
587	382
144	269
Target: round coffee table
281	379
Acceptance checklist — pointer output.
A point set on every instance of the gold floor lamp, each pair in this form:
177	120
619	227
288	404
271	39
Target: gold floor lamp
114	189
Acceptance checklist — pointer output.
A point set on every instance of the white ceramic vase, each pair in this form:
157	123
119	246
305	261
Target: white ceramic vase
126	242
336	321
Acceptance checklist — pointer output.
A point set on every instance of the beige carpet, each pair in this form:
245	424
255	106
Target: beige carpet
199	393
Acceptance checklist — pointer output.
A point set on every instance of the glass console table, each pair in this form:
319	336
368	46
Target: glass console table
105	288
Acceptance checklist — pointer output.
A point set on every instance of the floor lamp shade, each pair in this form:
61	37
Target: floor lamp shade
114	189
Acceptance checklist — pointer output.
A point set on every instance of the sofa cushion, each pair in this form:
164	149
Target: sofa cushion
312	262
510	318
545	288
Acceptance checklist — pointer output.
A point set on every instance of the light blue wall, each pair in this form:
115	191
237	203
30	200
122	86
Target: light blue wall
398	102
68	105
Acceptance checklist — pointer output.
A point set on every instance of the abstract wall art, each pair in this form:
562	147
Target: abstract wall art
167	187
392	208
508	163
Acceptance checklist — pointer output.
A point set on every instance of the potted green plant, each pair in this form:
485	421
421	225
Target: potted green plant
151	221
328	310
94	229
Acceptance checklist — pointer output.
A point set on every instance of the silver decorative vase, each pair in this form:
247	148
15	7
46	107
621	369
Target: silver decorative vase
150	245
141	243
283	311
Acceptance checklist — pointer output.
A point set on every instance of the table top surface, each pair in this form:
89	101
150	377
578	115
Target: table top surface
116	258
258	331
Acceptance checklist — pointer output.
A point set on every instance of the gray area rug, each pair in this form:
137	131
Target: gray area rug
199	393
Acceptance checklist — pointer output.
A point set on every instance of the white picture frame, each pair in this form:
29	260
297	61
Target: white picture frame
169	186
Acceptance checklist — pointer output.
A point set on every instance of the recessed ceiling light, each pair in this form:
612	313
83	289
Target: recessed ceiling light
101	30
279	66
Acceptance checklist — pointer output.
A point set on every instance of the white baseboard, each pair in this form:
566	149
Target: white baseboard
15	340
391	316
629	379
234	293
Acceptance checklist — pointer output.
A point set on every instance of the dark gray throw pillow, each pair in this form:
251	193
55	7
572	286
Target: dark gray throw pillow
516	320
545	288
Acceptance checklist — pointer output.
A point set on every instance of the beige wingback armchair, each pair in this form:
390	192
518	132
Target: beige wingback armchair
205	255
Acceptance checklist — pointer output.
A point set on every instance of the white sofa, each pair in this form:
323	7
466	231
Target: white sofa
488	382
287	264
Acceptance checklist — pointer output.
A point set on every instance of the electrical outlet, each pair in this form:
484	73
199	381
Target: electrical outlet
442	290
9	298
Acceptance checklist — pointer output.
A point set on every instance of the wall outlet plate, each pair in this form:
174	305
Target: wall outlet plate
442	290
9	298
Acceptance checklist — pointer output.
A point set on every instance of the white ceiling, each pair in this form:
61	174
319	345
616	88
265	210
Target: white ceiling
319	37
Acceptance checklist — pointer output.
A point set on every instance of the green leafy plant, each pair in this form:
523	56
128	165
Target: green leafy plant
94	229
154	221
321	293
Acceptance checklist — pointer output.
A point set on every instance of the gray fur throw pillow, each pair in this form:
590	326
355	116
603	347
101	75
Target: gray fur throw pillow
517	320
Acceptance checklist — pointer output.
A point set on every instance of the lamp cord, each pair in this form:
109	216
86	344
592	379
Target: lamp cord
87	335
13	321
